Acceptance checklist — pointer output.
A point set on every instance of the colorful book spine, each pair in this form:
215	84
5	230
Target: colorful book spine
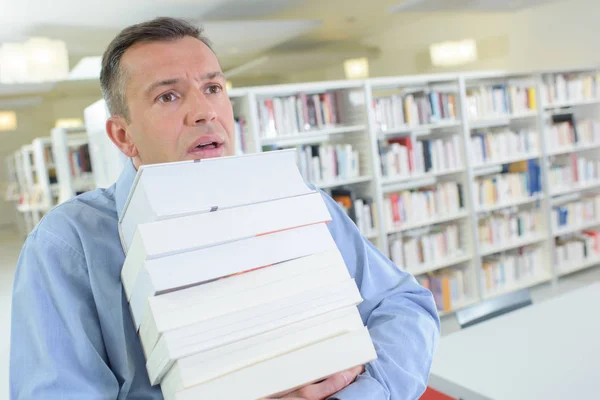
420	205
576	213
502	145
291	115
322	164
486	101
419	108
416	252
511	269
505	228
450	287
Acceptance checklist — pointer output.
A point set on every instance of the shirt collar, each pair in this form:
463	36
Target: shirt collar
123	185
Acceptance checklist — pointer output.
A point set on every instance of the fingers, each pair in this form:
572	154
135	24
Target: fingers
328	387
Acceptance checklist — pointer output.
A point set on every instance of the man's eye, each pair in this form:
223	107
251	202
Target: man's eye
167	98
214	89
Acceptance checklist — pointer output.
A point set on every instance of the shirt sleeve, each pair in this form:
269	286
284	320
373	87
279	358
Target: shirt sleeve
57	351
400	314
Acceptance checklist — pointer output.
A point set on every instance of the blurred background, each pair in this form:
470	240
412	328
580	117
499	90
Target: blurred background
402	87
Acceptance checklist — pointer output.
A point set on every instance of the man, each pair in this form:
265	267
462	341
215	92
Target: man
72	333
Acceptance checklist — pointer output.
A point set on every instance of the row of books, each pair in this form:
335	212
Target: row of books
501	145
512	268
450	287
576	213
499	100
414	252
509	186
501	228
48	155
240	135
255	308
328	163
560	88
400	160
572	251
288	115
79	159
419	205
361	210
567	133
417	108
573	170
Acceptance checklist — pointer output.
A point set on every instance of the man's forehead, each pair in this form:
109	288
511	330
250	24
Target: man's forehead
148	60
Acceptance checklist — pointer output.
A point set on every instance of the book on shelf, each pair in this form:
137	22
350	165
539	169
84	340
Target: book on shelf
79	160
566	87
414	108
239	293
361	210
400	159
450	287
502	228
327	163
569	252
289	115
511	269
48	155
573	170
516	181
420	205
568	134
576	213
240	135
416	251
494	146
487	101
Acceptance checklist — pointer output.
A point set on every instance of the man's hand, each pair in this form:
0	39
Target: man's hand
324	389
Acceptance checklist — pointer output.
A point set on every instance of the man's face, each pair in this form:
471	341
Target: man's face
178	104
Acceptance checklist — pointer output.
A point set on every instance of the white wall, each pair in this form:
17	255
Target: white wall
31	123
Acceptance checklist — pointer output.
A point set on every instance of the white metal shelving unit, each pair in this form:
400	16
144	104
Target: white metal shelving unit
71	181
359	127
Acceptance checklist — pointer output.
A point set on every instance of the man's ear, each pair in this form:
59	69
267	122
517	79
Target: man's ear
116	128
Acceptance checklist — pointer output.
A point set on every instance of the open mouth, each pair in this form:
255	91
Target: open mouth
209	145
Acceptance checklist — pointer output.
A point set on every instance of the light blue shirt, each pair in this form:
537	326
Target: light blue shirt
72	336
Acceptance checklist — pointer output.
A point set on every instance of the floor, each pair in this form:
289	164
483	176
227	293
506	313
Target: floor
10	246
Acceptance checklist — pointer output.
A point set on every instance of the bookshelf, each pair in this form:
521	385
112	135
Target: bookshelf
570	115
70	148
491	161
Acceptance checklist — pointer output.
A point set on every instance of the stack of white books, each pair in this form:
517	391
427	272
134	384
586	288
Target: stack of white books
234	282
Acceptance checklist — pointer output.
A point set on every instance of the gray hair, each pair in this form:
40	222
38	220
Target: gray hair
113	77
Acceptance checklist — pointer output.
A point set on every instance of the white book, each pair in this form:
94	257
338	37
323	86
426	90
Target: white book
169	237
211	364
195	338
186	269
196	304
289	371
164	191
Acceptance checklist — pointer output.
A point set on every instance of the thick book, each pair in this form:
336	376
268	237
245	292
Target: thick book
195	338
170	190
169	237
215	363
201	303
167	274
289	371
